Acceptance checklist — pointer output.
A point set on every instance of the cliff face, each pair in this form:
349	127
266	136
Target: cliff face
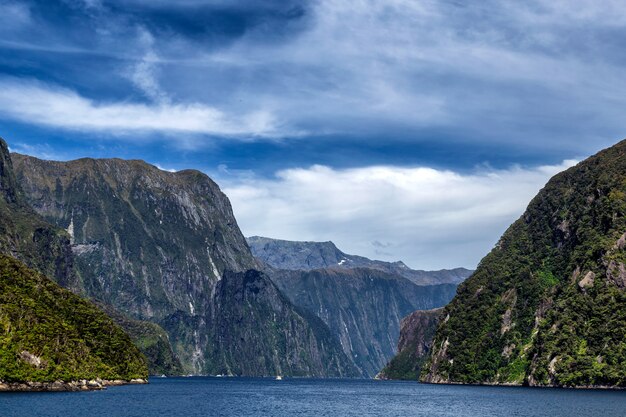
165	247
48	334
290	255
25	235
30	238
362	307
295	343
148	242
547	305
417	331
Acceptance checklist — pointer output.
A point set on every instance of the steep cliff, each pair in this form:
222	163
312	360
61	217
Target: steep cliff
49	335
165	247
417	331
291	255
30	238
547	306
363	307
294	343
147	241
25	235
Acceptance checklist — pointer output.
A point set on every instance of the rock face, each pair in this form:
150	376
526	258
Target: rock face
51	338
27	236
417	331
362	307
290	255
294	343
165	247
547	306
148	242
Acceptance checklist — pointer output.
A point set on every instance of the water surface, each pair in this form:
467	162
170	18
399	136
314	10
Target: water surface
241	397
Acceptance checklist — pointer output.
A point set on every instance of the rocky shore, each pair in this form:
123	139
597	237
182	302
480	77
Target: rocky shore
59	386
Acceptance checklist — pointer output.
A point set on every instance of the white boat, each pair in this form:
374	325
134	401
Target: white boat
279	378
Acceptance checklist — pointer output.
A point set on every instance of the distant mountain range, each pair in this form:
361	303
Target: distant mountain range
291	255
362	301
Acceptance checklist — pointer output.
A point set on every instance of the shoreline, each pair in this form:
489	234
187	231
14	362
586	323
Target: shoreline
71	386
518	385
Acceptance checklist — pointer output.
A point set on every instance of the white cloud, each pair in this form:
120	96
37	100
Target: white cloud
427	217
143	72
39	103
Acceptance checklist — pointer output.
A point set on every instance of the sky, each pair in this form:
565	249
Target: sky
412	130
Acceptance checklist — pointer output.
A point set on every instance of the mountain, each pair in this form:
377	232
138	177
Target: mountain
361	306
165	247
30	238
417	331
27	236
51	339
268	336
148	242
285	254
547	306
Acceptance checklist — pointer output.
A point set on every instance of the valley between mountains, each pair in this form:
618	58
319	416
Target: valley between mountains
113	270
161	256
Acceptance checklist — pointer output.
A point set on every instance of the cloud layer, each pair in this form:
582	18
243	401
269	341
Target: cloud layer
33	102
543	72
428	218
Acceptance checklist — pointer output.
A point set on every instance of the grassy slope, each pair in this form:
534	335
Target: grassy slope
73	338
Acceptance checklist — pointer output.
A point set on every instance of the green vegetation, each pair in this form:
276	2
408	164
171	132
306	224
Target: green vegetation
151	340
416	336
48	334
547	306
404	366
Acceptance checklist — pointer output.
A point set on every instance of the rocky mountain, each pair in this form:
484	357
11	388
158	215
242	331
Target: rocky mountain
25	235
417	331
362	307
148	242
50	339
165	247
285	254
41	245
547	306
253	329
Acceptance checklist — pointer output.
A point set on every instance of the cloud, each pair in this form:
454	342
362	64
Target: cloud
143	73
43	104
426	217
539	71
490	73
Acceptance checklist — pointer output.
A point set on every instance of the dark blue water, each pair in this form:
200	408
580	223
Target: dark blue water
190	397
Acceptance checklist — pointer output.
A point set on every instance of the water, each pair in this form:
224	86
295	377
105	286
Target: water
191	397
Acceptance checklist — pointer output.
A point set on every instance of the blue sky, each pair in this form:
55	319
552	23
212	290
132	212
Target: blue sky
447	116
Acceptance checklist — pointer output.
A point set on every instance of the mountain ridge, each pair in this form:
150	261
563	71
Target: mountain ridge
308	255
